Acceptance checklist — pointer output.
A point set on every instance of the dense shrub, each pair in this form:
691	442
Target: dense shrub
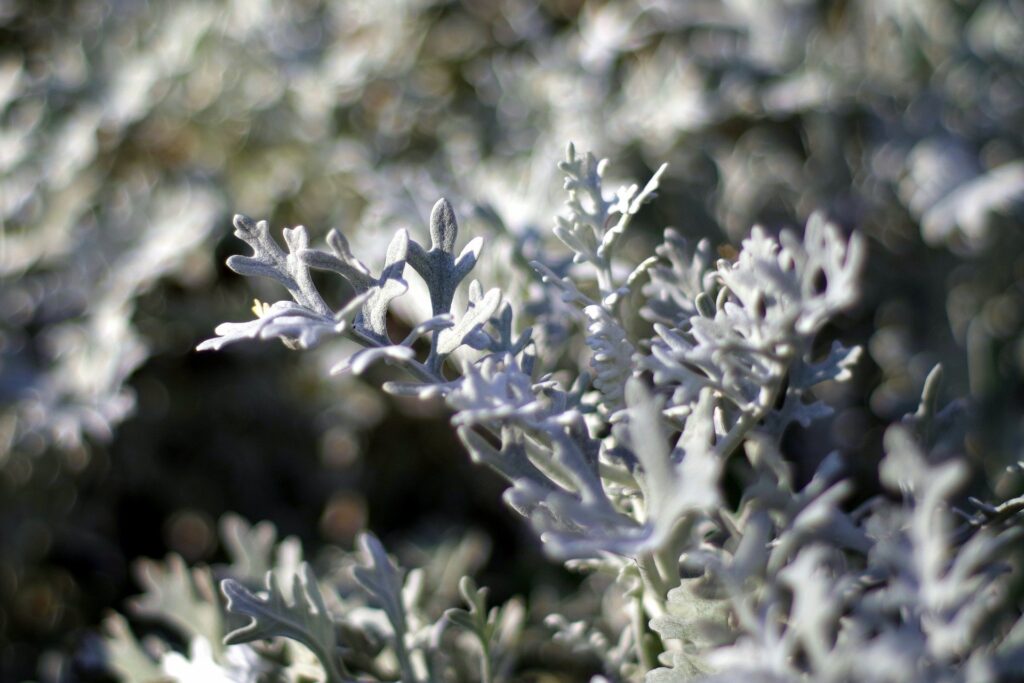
131	129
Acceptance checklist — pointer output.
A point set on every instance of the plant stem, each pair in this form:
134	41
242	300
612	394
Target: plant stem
404	662
747	421
644	654
654	584
667	558
486	675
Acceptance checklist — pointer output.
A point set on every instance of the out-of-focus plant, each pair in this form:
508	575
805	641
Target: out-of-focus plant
892	116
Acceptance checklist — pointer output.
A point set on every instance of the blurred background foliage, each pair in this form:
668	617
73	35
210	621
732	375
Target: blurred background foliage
130	131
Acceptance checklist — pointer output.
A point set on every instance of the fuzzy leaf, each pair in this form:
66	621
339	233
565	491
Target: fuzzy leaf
389	285
126	656
183	598
383	583
360	361
269	260
297	612
438	266
477	314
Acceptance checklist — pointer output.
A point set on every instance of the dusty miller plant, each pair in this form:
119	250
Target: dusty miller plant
656	461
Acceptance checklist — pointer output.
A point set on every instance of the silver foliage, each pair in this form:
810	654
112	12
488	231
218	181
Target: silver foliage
935	85
625	472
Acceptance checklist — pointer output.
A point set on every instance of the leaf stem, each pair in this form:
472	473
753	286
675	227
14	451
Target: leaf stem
645	655
486	675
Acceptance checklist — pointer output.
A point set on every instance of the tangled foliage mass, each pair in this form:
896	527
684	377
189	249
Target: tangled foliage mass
739	453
